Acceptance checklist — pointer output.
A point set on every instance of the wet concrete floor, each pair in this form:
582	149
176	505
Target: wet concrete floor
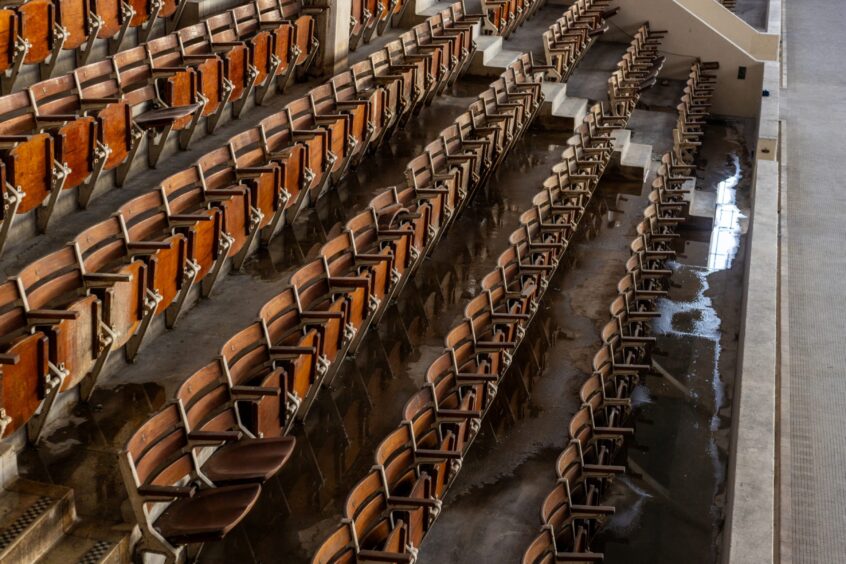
510	467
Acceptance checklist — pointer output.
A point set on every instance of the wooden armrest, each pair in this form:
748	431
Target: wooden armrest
249	391
52	314
213	436
166	492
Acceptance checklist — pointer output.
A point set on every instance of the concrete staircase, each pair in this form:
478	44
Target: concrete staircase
560	112
629	161
491	59
39	524
418	10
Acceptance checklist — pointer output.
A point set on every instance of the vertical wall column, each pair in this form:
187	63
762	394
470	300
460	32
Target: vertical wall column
336	36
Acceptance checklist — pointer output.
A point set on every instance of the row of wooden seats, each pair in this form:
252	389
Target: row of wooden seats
573	511
570	36
502	17
38	31
637	71
694	109
105	288
268	374
389	511
65	132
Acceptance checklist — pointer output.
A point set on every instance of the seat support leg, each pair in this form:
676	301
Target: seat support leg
156	144
86	190
122	170
207	285
145	30
189	276
8	79
11	202
45	211
214	119
95	22
261	93
60	34
151	303
238	106
270	229
86	387
53	383
184	136
255	219
127	12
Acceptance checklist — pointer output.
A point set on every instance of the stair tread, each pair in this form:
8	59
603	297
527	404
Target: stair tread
26	507
87	542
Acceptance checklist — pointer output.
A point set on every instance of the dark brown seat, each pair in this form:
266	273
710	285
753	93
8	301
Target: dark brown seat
157	468
212	419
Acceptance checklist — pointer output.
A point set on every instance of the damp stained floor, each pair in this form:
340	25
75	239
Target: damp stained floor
495	502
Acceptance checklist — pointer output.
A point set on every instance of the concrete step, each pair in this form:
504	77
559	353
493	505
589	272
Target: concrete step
558	111
33	517
702	207
419	10
629	161
490	59
90	543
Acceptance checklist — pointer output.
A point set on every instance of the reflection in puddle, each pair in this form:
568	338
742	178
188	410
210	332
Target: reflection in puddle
725	237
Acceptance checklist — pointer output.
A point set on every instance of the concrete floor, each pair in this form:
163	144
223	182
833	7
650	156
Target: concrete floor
511	466
813	401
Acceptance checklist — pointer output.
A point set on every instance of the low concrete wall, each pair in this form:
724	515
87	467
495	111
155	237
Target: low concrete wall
751	528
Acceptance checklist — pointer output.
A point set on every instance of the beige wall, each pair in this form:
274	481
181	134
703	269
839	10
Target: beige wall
692	36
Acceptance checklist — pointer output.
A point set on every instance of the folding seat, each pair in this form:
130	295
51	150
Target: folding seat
261	38
296	344
506	281
338	304
532	276
342	545
399	210
416	76
469	156
13	48
442	26
223	29
322	137
538	259
599	444
38	26
192	214
366	106
268	180
145	89
571	466
401	461
148	12
119	280
347	126
616	364
55	295
383	11
498	16
520	101
285	47
455	170
304	19
258	383
166	53
27	376
419	41
374	511
34	176
611	392
100	96
574	503
74	18
344	261
487	118
57	104
158	468
361	19
519	83
547	230
222	186
399	81
484	139
371	237
442	190
110	20
149	235
196	40
303	159
459	388
211	419
573	525
489	344
382	93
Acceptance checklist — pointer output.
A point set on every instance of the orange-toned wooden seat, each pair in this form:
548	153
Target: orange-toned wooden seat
334	128
166	53
119	281
342	546
258	383
100	96
39	27
294	126
212	420
196	40
163	100
173	503
304	160
221	185
55	293
192	214
296	343
13	48
285	47
33	172
275	183
305	24
401	83
110	21
26	375
224	29
170	273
